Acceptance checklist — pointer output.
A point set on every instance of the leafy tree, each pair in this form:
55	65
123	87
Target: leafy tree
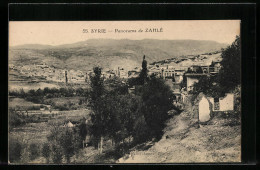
34	151
46	150
208	85
83	129
143	77
141	130
157	101
230	72
56	153
228	77
127	109
69	142
65	141
99	116
15	119
15	150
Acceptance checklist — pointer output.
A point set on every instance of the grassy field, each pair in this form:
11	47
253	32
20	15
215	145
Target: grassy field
38	132
21	103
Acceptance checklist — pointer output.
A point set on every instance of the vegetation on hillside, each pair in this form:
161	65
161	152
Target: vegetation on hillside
128	119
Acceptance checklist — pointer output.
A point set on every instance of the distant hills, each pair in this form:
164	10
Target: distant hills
109	53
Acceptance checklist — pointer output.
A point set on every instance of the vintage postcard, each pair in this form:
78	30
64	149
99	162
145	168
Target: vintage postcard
88	92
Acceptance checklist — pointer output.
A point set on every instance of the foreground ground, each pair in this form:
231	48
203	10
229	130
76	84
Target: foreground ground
184	142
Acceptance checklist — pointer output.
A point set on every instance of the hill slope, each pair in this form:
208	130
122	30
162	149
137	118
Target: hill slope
109	52
183	142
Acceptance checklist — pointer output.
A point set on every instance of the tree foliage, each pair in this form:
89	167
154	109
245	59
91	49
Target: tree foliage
65	141
143	76
230	73
15	150
34	151
69	142
157	101
128	118
46	151
15	119
99	115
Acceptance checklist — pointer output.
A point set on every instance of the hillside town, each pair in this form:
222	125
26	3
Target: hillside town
180	75
166	70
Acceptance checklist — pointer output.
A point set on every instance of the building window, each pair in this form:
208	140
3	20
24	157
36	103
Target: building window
216	103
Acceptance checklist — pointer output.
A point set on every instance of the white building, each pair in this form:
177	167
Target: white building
209	105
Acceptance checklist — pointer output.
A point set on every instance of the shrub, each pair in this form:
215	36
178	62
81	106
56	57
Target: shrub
65	141
56	153
157	101
46	151
34	151
69	142
141	132
15	150
15	119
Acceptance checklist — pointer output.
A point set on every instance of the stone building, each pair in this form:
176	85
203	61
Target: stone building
206	106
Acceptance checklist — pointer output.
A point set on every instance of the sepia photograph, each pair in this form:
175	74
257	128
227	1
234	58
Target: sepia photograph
120	92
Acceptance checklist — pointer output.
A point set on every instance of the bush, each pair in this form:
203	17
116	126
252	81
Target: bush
46	151
57	154
34	151
141	132
61	107
66	141
157	101
15	119
15	150
70	143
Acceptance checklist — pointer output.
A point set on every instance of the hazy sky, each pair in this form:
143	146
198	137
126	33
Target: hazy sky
66	32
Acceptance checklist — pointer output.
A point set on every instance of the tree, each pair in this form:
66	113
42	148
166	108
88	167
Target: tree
65	141
157	101
141	130
99	115
230	72
46	151
83	129
15	150
228	77
208	85
34	151
15	119
69	142
57	153
127	110
144	72
66	77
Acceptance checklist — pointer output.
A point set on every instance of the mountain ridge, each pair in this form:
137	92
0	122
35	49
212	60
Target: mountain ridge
110	53
41	46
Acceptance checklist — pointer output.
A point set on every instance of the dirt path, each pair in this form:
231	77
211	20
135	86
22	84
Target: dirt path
183	142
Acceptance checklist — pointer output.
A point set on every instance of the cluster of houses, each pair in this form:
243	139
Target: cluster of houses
45	72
